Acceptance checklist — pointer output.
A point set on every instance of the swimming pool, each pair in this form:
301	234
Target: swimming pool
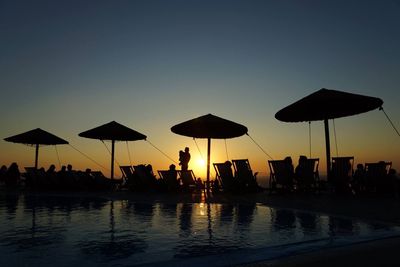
60	230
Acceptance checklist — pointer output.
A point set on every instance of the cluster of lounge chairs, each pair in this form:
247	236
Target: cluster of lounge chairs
369	178
234	176
71	180
239	180
140	178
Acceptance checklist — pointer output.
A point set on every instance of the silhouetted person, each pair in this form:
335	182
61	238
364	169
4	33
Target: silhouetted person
51	176
358	181
228	169
289	168
3	171
215	187
199	184
184	158
301	172
12	175
172	179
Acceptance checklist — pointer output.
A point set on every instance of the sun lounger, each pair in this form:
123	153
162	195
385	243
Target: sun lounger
169	180
244	174
376	176
309	178
188	180
281	175
341	174
225	177
145	179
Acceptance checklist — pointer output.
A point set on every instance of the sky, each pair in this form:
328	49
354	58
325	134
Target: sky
69	66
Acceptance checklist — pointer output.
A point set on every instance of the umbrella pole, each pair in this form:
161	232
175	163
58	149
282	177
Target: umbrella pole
112	158
36	156
328	149
208	164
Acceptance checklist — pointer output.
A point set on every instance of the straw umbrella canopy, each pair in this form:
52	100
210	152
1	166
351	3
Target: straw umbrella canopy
211	127
35	138
113	131
326	104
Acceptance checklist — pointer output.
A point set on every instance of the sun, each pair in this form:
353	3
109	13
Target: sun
201	163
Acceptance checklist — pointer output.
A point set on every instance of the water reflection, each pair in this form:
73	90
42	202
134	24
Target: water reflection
121	233
113	243
308	221
284	219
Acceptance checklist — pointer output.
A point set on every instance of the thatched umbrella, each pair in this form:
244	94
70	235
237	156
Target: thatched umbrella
326	104
35	138
210	127
113	131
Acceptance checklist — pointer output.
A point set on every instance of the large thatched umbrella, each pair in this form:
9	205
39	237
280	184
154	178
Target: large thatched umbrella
36	138
326	104
113	131
210	127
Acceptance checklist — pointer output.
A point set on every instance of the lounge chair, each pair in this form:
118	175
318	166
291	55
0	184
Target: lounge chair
244	174
103	183
146	179
308	179
376	176
169	180
30	176
130	179
281	175
188	180
341	174
225	177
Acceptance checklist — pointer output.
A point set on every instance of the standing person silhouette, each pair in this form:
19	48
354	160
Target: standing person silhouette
184	158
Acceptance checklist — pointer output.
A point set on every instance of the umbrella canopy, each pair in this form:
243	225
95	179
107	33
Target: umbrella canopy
36	137
113	131
209	126
327	104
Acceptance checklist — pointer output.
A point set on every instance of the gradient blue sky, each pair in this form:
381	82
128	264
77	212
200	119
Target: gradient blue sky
68	66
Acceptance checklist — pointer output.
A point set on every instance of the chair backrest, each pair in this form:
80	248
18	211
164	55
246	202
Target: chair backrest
187	177
343	167
377	170
168	175
242	168
224	175
280	172
127	171
312	166
307	174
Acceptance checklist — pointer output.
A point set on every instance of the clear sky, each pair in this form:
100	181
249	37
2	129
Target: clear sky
69	66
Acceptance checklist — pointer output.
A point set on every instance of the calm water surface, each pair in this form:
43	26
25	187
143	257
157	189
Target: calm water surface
43	230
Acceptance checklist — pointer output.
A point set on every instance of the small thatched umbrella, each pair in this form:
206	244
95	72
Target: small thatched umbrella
113	131
35	138
210	127
327	104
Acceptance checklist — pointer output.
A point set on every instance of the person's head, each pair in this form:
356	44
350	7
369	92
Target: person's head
186	149
172	167
302	159
360	166
69	167
52	168
3	168
228	163
149	167
63	168
392	171
288	160
88	170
